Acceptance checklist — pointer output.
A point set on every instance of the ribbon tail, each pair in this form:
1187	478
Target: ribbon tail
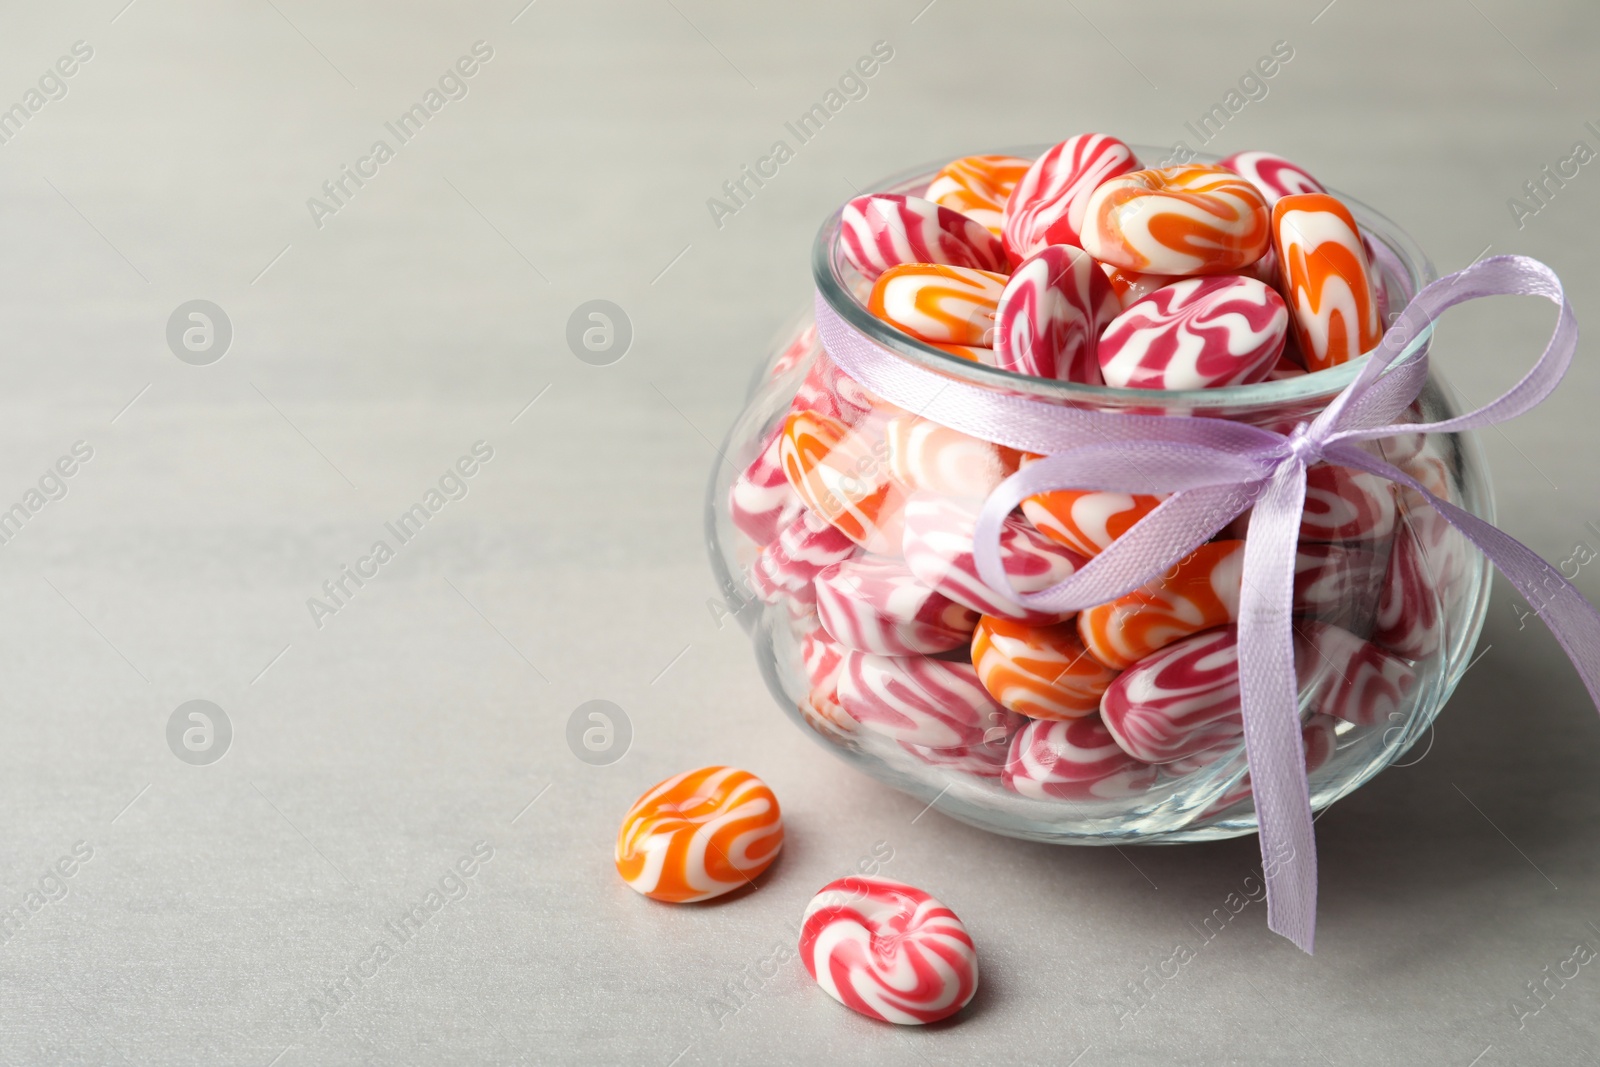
1269	695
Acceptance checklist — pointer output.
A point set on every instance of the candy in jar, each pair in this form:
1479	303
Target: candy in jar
1048	205
1272	175
926	455
1074	759
1043	672
785	569
978	187
946	305
1198	333
1086	520
917	700
840	476
883	230
699	834
1190	219
1200	592
1327	279
1055	305
873	604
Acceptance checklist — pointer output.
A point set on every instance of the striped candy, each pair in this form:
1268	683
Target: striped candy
1318	738
1336	583
1357	681
985	760
843	478
934	703
1073	760
1200	592
1048	205
1343	504
823	660
939	304
1198	333
760	500
699	834
785	569
1273	176
888	950
873	604
978	187
881	230
1131	286
939	550
1327	279
1042	672
803	346
1050	313
1086	520
926	455
1426	565
1192	219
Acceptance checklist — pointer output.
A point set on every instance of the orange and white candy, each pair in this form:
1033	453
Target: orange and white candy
1191	219
699	834
1327	279
1086	520
1043	672
925	455
842	477
1200	592
1131	286
978	187
939	304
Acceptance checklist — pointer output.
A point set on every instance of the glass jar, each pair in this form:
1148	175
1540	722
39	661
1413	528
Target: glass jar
998	716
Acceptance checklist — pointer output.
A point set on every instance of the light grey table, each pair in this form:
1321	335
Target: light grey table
373	345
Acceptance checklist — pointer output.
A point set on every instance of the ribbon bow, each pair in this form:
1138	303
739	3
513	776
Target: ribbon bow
1214	469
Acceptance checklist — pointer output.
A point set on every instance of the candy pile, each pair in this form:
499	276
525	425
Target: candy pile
1080	266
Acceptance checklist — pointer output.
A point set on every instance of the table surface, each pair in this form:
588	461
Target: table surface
227	913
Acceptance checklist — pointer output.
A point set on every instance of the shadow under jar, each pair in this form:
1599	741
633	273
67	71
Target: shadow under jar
1001	715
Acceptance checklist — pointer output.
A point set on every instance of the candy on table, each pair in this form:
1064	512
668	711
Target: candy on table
1086	520
917	700
1199	592
823	659
1043	672
883	230
1357	681
1057	302
978	187
1048	205
803	345
1178	702
939	550
1190	219
1272	175
1197	333
925	455
872	604
888	950
785	569
1075	759
699	834
940	304
1344	504
841	476
760	499
1131	286
1327	279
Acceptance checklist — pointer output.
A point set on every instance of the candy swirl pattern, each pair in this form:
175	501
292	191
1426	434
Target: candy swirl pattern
883	230
1049	204
699	834
1186	220
1272	175
1050	314
1199	333
978	187
939	304
1327	279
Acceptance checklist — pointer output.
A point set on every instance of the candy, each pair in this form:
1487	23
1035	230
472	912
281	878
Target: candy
877	605
1042	672
1318	737
760	499
1086	520
843	478
802	347
939	550
1198	333
926	455
1050	313
1336	583
933	703
1048	205
1192	219
1200	592
1343	504
1273	176
931	302
882	230
1327	279
1073	760
978	187
699	834
829	391
1131	286
1358	681
823	659
888	950
784	570
1426	565
1178	702
985	760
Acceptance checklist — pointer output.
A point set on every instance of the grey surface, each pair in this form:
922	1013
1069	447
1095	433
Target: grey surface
425	715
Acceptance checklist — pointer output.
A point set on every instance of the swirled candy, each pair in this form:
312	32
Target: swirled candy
985	760
760	499
1343	504
939	304
1073	760
785	569
842	477
881	230
933	703
823	659
1043	672
1086	520
1273	176
699	834
926	455
1131	286
1198	333
801	347
888	950
1319	739
1191	219
1327	279
873	604
1427	561
1057	302
1336	583
1200	592
1047	207
1357	681
939	550
978	187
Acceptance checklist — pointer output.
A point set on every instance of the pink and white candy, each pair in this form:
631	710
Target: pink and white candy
888	950
1052	310
883	230
873	604
1272	175
925	455
934	703
1343	504
1074	759
1047	206
1179	701
1357	681
760	499
1198	333
803	549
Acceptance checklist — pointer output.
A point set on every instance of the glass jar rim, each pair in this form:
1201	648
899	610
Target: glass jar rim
1317	385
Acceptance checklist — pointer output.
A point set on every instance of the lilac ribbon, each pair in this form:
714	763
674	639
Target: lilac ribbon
1213	470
